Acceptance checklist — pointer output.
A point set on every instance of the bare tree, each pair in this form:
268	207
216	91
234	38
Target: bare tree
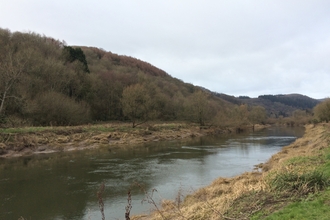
257	114
136	104
198	107
12	65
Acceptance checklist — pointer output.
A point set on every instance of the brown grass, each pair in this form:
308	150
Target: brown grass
29	140
22	141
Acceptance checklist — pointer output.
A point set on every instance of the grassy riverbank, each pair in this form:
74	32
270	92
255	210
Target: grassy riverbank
293	184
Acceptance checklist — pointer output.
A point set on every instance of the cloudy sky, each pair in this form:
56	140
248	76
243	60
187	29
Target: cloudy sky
237	47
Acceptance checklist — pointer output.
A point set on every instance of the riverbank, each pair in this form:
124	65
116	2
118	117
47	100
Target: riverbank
294	183
15	142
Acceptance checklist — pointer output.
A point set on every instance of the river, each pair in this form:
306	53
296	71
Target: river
64	185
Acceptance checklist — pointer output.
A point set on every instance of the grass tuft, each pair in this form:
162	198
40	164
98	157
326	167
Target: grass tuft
302	184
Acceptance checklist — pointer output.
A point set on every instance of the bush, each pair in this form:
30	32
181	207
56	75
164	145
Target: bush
322	111
57	109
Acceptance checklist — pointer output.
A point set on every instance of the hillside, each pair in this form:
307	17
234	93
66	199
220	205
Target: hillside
45	82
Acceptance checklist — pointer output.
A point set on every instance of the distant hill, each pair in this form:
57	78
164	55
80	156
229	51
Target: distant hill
294	100
276	105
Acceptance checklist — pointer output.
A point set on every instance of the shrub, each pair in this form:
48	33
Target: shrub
322	111
57	109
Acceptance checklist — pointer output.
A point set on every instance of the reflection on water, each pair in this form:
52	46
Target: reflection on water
64	185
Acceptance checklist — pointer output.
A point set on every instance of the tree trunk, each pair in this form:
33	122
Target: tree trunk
3	101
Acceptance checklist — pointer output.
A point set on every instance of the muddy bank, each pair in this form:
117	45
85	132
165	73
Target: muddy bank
48	140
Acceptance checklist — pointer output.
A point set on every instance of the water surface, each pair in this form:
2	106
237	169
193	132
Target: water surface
64	185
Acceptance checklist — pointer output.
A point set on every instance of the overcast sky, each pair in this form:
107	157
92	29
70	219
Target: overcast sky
240	47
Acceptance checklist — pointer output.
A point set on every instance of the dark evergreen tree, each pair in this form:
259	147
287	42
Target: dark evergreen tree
72	54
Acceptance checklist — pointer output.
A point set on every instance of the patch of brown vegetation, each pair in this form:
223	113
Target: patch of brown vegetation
83	137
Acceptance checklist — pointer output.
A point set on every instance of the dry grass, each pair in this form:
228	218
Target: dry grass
28	140
210	202
315	139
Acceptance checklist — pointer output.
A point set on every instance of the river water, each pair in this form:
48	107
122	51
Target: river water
64	185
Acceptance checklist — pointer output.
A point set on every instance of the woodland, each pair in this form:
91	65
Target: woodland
45	82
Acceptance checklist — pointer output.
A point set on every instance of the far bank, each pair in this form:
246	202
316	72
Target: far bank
15	142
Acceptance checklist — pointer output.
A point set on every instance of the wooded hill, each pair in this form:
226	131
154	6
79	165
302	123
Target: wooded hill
276	105
43	81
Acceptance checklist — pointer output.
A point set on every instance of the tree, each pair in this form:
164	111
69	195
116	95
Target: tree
198	107
322	111
239	116
78	83
136	104
301	116
257	114
12	65
224	118
72	54
105	97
